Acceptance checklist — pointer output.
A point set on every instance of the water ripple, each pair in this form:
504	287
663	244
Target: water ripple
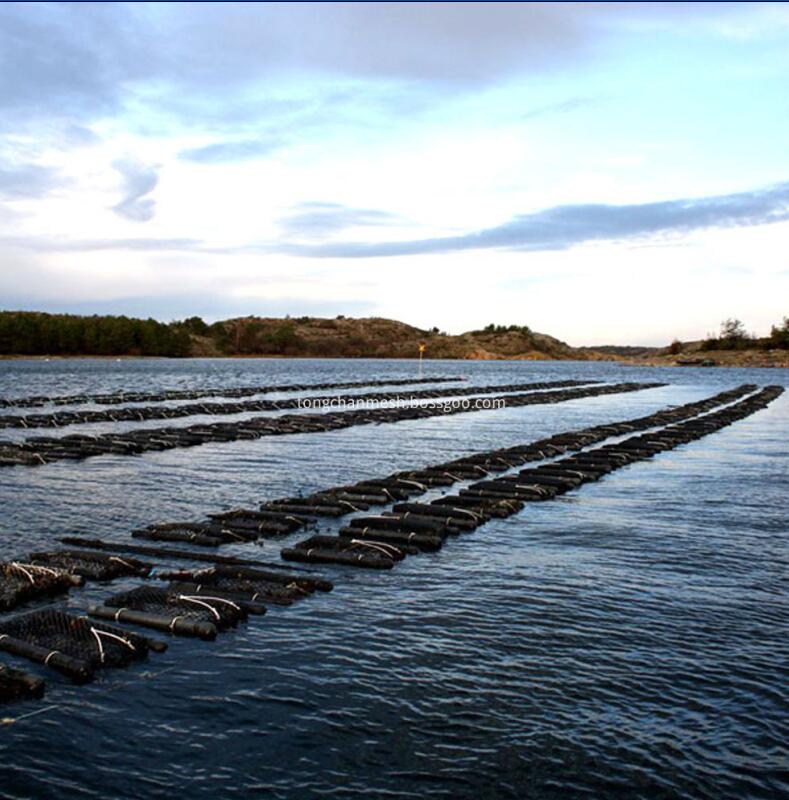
626	641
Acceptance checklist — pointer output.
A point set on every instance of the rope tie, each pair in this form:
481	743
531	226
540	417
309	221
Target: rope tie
20	568
193	599
386	549
99	633
122	561
174	621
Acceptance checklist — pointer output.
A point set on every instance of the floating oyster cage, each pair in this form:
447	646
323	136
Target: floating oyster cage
194	394
174	612
21	581
73	645
378	542
203	602
38	450
143	413
248	585
92	566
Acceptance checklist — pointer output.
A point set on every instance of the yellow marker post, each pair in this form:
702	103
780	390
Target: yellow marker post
421	350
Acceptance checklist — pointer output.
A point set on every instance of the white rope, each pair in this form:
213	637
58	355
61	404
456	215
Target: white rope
387	549
20	568
122	561
224	600
198	602
99	633
413	483
174	621
237	536
99	644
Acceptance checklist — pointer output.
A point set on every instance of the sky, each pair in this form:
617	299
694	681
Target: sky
612	173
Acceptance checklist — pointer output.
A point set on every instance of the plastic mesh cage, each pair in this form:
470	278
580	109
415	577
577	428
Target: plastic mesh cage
203	534
20	582
219	611
253	584
354	552
93	566
75	645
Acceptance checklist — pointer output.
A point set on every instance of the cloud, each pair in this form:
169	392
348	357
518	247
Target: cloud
318	220
562	227
65	61
139	180
552	229
89	61
221	152
24	181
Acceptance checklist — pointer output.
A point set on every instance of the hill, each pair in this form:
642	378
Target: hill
33	333
626	351
374	337
702	353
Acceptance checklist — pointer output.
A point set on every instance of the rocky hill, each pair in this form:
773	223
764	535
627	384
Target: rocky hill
375	337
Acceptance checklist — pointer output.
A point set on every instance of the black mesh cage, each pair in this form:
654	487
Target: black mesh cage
254	584
93	566
20	582
205	535
219	611
58	632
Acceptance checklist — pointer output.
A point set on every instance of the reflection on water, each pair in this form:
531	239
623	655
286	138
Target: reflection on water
626	640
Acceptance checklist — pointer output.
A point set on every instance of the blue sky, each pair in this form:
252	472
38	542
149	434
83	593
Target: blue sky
601	172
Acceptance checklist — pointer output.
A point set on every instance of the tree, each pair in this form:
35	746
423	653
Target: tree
733	334
779	337
195	325
675	348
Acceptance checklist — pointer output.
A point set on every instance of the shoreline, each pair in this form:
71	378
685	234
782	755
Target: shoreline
746	359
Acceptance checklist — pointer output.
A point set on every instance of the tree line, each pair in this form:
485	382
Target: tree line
733	335
33	334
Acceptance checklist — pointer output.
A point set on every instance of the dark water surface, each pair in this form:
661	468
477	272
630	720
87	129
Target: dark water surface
629	639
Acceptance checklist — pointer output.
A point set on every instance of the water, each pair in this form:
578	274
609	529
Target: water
627	640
